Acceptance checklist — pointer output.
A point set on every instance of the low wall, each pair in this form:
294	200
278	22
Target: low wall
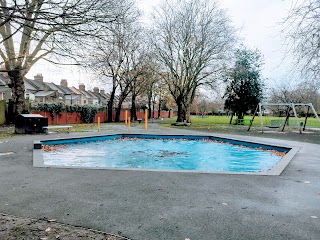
71	118
75	118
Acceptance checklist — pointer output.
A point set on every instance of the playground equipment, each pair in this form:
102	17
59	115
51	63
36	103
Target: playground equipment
289	107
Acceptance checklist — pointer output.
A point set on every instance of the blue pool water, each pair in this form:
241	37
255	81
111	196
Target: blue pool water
164	154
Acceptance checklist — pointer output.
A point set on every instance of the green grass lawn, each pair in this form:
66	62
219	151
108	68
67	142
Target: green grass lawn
214	123
224	120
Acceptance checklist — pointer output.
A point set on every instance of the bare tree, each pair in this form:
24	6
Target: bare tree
302	33
301	93
192	39
132	69
31	30
121	57
109	56
139	86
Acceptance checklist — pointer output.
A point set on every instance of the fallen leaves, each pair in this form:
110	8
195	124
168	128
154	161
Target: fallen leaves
49	148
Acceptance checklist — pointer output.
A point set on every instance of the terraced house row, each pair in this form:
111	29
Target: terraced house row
37	90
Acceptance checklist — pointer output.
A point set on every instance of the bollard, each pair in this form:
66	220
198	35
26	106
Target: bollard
146	120
126	117
98	124
128	124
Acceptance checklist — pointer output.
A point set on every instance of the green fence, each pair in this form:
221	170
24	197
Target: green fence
3	107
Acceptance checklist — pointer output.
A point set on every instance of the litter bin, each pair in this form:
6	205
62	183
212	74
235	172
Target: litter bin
30	123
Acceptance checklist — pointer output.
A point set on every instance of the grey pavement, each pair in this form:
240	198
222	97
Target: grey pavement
165	205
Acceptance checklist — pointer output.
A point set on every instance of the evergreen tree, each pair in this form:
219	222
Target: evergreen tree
244	82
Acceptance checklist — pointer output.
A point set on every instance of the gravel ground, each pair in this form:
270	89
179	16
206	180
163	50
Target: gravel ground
16	228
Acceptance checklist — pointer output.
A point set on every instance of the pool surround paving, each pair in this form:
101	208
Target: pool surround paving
38	160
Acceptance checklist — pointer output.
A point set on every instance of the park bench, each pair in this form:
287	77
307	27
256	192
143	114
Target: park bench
181	124
139	120
243	121
46	129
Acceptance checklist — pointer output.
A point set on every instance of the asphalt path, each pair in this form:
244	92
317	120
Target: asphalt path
165	205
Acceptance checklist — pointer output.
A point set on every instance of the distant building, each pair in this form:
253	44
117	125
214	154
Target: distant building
37	90
5	91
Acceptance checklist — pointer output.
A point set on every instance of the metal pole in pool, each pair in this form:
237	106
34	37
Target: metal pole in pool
146	120
128	121
98	124
126	118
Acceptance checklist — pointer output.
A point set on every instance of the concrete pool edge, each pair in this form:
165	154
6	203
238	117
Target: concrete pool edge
276	170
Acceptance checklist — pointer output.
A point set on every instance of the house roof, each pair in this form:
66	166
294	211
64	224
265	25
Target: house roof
92	94
4	89
105	95
87	95
2	83
74	90
4	80
53	86
38	84
97	95
29	86
44	93
65	90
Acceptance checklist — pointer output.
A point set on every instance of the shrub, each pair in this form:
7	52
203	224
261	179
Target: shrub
52	108
88	113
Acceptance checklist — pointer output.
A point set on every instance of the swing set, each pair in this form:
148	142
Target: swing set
289	107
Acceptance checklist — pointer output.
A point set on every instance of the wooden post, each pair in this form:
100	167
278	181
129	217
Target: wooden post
146	120
128	124
98	124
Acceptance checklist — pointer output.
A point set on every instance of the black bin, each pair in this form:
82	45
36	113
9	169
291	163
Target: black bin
30	123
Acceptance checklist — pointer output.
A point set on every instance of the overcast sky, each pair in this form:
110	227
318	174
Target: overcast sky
259	22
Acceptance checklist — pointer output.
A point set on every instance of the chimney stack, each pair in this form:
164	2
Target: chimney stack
96	90
102	91
64	82
38	77
82	87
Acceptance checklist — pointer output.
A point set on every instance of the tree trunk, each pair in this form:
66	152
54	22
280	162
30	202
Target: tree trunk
159	109
110	106
152	109
118	112
118	109
149	110
17	88
169	114
133	108
231	118
181	111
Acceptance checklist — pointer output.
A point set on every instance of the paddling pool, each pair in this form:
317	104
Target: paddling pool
162	152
